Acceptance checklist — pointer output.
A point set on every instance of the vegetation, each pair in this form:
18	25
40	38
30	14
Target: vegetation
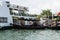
46	13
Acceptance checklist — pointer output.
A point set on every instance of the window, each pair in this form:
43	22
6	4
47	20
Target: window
21	11
8	5
7	1
15	13
3	19
19	14
17	6
10	8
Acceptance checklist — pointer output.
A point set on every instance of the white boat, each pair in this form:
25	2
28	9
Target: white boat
11	14
5	17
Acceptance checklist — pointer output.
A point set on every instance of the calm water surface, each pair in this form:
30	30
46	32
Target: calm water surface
30	35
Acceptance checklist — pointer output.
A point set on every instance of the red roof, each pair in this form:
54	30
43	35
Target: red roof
58	14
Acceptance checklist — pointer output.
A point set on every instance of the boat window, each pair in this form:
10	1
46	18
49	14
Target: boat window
7	1
3	19
8	5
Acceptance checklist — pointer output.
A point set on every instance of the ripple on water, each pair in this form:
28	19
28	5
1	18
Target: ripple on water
30	35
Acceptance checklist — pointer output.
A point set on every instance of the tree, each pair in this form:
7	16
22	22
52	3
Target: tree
46	13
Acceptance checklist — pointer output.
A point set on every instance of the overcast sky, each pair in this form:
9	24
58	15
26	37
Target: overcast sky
35	6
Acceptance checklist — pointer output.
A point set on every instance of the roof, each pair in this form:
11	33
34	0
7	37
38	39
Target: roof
58	13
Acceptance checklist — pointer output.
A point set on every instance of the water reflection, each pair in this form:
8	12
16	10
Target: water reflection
30	35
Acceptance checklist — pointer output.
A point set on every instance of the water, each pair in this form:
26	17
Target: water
30	35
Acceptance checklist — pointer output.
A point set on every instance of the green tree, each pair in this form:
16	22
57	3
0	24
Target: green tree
46	13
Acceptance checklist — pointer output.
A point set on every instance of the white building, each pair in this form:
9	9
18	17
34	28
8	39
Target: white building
11	14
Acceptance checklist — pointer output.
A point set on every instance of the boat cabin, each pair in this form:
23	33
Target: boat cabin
12	14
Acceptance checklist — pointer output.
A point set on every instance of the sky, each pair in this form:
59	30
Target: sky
36	6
